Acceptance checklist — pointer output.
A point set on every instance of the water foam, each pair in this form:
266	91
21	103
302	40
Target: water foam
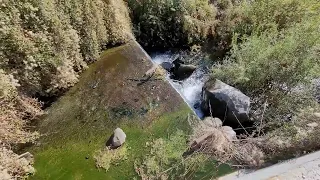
190	88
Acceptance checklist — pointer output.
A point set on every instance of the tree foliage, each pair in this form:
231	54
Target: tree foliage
172	23
45	44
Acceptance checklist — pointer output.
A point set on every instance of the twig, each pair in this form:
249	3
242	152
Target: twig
210	108
244	128
264	110
240	124
225	113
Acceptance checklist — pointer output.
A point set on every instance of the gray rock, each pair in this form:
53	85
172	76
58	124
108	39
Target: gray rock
178	70
229	132
225	102
119	137
27	155
312	125
183	71
168	66
212	122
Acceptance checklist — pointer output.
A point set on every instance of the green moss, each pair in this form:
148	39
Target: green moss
67	159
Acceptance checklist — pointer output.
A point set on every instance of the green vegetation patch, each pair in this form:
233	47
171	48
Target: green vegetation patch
74	158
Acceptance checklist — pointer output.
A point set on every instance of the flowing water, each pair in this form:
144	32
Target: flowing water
190	88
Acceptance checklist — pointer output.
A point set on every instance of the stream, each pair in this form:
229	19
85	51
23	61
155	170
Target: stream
189	88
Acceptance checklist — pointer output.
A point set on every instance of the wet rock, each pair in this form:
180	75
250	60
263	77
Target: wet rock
119	137
182	71
178	70
225	102
317	115
168	66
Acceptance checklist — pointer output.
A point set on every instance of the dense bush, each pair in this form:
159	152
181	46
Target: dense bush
172	23
247	16
261	15
274	64
274	58
44	44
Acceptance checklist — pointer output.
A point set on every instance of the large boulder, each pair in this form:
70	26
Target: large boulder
225	102
119	137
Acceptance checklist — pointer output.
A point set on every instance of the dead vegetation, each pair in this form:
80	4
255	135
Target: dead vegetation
16	111
253	150
218	142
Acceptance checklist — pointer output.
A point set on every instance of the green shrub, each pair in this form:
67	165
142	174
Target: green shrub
247	17
172	23
272	66
276	14
45	44
274	58
199	19
14	109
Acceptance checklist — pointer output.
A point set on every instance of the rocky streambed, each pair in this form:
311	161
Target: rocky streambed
207	97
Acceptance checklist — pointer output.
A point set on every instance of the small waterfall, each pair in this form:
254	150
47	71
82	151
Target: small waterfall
190	88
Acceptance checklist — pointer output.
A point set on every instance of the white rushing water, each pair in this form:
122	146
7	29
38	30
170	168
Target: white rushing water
190	88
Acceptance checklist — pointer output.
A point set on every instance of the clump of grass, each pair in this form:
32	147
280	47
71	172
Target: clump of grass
163	157
215	143
107	157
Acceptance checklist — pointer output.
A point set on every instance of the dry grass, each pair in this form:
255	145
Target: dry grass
244	153
14	167
15	112
292	139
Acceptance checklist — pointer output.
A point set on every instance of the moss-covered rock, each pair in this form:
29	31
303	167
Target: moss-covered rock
111	93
